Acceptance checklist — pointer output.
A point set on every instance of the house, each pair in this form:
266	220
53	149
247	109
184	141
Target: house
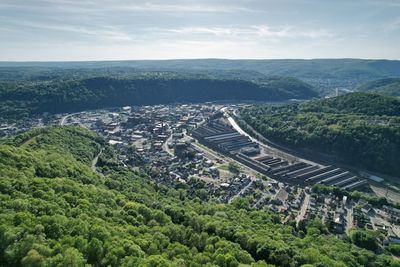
391	211
368	211
338	223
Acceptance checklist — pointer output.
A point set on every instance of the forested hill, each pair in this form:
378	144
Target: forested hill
359	129
24	98
388	86
56	211
356	103
300	68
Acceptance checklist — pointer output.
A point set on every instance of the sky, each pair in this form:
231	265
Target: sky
69	30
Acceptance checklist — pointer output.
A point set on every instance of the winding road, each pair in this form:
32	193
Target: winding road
64	118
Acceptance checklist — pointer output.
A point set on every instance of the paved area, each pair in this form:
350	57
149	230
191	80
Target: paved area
386	193
303	210
349	218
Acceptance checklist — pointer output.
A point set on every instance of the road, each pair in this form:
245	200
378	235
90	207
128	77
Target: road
208	153
349	218
264	195
304	207
165	146
258	201
386	193
241	191
284	152
267	148
64	118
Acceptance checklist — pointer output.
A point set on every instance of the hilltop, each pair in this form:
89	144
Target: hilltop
300	68
388	86
356	103
325	75
57	211
359	129
24	98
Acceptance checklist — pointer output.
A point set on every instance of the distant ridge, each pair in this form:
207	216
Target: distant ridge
388	86
300	68
18	99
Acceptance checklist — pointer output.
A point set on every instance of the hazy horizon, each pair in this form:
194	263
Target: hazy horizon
172	59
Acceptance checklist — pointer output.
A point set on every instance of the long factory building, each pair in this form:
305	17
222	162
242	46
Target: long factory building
226	140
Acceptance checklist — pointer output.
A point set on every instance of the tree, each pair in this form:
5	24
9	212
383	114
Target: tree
394	249
33	259
95	251
364	238
233	168
71	258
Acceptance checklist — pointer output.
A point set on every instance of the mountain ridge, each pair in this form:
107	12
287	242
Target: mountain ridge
387	86
103	92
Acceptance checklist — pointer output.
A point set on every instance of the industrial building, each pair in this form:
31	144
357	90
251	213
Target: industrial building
302	172
224	139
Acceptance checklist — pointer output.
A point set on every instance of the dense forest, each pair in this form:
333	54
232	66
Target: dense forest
325	75
18	99
56	211
388	86
360	129
357	69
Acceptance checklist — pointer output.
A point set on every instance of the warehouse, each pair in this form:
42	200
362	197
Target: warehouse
224	139
221	137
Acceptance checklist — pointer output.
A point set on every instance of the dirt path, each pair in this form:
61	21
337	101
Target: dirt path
29	141
94	161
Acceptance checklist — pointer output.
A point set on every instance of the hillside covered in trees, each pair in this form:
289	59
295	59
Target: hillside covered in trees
357	69
325	75
360	129
22	98
388	86
56	211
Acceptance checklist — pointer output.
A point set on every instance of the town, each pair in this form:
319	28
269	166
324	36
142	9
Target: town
201	147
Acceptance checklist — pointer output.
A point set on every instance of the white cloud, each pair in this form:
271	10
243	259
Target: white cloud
182	7
107	29
110	33
254	31
392	25
386	3
123	5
